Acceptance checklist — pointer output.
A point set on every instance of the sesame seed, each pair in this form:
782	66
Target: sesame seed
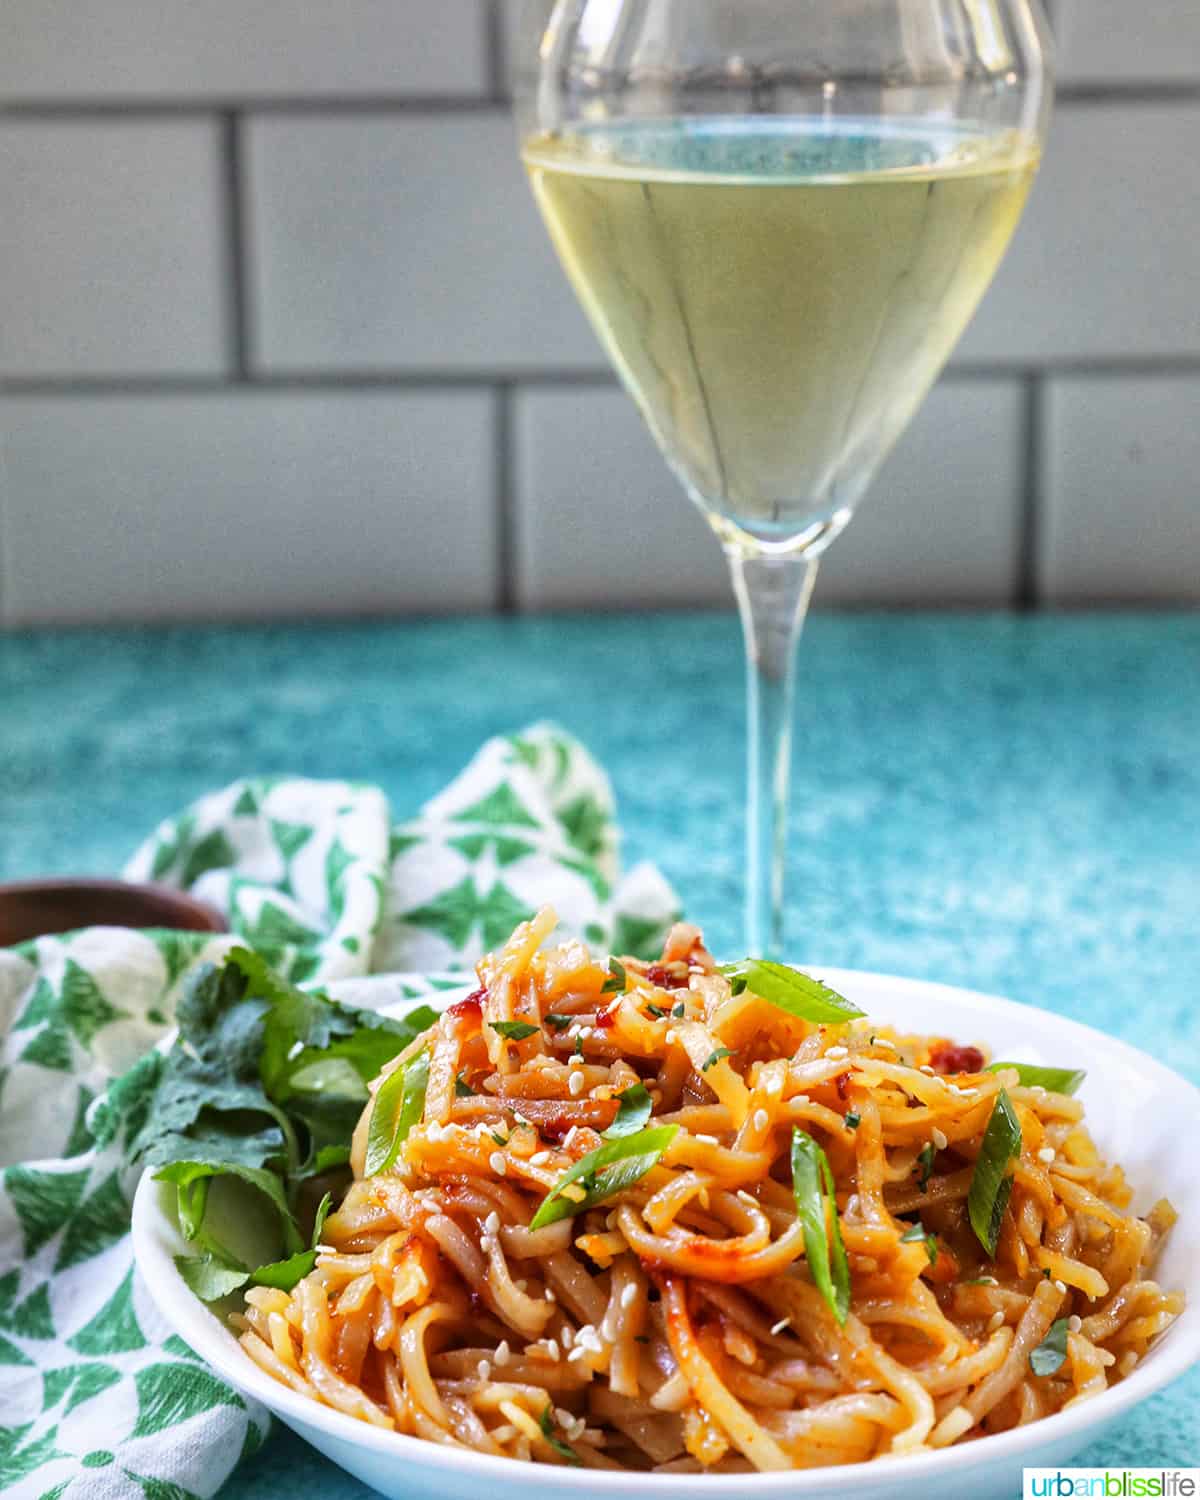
484	1370
566	1419
1074	1323
781	1325
882	1041
1046	1154
709	1140
552	1349
486	1243
747	1197
1060	1286
939	1139
575	1083
539	1158
568	1338
577	1353
672	1036
295	1050
569	1137
761	1119
497	1163
995	1321
492	1222
503	1352
837	1052
925	1068
629	1295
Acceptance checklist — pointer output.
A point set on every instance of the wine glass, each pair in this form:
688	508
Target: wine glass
779	215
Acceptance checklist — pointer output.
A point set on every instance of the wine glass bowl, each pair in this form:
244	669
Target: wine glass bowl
779	216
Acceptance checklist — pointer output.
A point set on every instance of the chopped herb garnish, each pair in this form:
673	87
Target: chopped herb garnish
916	1233
500	1140
925	1165
656	1011
853	1120
285	1274
1054	1080
799	994
557	1022
514	1031
564	1450
991	1185
679	1010
618	981
608	1170
1049	1356
634	1108
816	1208
399	1104
462	1089
715	1057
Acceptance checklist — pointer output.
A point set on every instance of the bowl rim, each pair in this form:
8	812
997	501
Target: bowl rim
1176	1352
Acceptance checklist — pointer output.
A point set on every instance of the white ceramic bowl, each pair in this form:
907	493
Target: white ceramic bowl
1141	1115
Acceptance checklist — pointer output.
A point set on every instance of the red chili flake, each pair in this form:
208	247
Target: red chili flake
947	1058
666	979
472	1005
605	1020
842	1084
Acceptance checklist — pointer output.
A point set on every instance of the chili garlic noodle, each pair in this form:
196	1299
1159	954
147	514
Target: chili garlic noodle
697	1312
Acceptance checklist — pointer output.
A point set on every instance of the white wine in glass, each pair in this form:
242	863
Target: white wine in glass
779	216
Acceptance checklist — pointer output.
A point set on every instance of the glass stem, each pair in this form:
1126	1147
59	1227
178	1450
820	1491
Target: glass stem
772	595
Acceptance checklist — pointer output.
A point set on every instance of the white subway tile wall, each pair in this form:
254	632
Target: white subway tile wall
280	334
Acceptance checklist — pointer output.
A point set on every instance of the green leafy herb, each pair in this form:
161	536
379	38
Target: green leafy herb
514	1031
715	1057
557	1022
210	1278
816	1208
399	1104
284	1274
1050	1355
853	1120
679	1010
656	1011
500	1140
991	1185
1054	1080
462	1090
925	1165
799	994
604	1172
634	1107
549	1432
618	981
917	1232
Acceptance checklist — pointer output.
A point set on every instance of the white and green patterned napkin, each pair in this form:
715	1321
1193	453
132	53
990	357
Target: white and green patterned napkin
97	1400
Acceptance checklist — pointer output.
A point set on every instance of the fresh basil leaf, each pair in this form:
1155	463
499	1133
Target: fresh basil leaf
208	1278
564	1450
399	1104
1053	1080
799	994
1050	1355
812	1185
925	1165
714	1058
514	1031
618	981
991	1185
603	1172
634	1108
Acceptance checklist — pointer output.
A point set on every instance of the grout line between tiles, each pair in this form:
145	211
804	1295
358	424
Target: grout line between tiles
1031	499
235	245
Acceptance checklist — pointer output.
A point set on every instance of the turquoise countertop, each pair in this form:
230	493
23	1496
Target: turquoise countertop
1011	803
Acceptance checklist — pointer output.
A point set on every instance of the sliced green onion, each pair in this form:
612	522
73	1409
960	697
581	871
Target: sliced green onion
679	1010
656	1011
564	1450
618	981
916	1233
399	1104
634	1108
816	1208
799	994
514	1031
461	1088
1050	1355
991	1185
715	1057
1053	1080
925	1165
853	1120
558	1023
601	1173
